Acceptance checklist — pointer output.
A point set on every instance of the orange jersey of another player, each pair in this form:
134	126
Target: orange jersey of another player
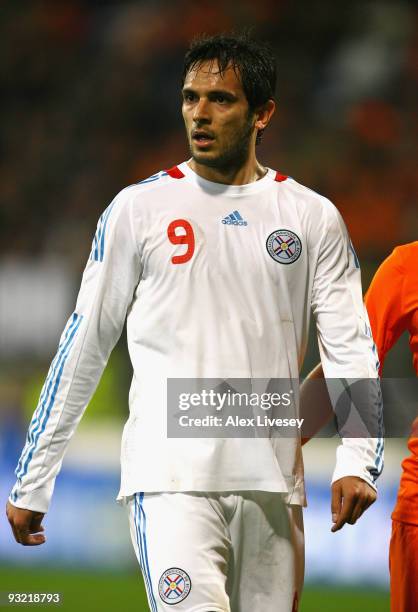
392	304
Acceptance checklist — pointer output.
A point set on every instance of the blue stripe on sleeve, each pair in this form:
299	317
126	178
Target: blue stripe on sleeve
152	178
45	406
102	235
380	444
97	248
98	244
46	390
356	260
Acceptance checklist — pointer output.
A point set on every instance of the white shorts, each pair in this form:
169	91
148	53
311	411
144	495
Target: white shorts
213	552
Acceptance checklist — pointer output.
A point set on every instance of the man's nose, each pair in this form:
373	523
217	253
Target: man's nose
201	111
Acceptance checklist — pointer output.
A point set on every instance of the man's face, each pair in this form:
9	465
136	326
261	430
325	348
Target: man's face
219	124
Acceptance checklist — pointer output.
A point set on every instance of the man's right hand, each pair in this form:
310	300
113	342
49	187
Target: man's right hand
26	525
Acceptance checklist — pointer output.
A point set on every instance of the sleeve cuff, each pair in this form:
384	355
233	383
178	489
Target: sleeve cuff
352	462
37	500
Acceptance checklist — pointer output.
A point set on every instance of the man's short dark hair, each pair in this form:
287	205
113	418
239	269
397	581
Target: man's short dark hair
253	62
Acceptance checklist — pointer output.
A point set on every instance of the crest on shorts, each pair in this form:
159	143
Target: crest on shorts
174	585
284	246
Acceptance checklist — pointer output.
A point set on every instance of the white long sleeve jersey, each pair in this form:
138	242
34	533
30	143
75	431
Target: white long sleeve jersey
215	281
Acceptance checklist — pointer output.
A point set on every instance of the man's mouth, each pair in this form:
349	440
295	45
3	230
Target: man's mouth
202	138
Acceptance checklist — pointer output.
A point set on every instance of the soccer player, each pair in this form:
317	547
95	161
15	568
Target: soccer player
392	304
216	264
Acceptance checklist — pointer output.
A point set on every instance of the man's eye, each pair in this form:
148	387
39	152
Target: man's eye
188	97
220	99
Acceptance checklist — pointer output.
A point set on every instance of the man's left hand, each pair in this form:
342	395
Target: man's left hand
350	497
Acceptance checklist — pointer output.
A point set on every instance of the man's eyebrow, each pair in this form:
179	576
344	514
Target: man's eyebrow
212	92
223	92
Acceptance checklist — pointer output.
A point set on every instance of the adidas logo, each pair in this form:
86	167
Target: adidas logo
234	219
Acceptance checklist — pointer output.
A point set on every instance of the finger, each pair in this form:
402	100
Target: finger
26	536
358	510
336	499
22	533
345	514
35	525
34	540
361	506
30	539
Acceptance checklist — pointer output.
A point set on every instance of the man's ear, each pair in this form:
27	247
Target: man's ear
264	113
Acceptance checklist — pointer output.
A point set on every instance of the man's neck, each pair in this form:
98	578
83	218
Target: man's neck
248	173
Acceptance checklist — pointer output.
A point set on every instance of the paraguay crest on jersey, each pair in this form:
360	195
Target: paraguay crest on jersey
284	246
174	585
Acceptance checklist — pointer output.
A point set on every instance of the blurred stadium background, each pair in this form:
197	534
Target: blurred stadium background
90	103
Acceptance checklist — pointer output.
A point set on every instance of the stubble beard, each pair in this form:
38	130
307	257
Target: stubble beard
234	154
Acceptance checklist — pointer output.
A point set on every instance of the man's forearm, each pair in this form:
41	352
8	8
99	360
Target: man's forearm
315	404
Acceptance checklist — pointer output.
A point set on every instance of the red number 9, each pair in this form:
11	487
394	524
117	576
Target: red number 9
187	238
